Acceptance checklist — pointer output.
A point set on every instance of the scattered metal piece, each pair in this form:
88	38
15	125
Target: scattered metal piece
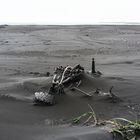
79	83
85	93
93	66
43	98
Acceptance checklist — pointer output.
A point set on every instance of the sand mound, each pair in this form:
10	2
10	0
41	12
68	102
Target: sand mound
37	84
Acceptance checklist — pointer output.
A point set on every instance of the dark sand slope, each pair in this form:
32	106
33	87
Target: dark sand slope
28	52
14	120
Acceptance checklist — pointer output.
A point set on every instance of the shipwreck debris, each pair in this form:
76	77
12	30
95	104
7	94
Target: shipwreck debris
93	71
63	77
83	92
93	66
43	98
111	96
71	78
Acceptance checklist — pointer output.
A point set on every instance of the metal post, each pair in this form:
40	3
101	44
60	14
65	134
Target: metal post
93	66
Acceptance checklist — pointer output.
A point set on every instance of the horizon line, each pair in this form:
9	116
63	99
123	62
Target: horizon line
64	24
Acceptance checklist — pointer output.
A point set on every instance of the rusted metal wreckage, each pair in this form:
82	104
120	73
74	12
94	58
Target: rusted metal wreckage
67	77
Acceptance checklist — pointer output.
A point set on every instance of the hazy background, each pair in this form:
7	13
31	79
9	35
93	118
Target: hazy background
69	11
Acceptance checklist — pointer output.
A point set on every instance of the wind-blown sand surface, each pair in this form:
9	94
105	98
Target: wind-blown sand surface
26	51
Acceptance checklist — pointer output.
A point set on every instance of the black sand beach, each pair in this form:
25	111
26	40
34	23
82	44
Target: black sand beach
28	52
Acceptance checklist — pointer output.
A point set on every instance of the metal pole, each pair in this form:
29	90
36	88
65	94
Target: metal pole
93	66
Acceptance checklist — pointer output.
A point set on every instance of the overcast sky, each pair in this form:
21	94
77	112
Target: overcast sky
68	11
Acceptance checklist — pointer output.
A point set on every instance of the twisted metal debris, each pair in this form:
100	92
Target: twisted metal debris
63	76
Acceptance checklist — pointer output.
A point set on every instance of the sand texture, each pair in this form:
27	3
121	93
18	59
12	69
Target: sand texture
28	52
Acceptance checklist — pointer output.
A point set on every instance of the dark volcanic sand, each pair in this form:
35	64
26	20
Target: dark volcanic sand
25	50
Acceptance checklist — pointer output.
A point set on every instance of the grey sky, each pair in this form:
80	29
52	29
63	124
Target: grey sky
68	11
